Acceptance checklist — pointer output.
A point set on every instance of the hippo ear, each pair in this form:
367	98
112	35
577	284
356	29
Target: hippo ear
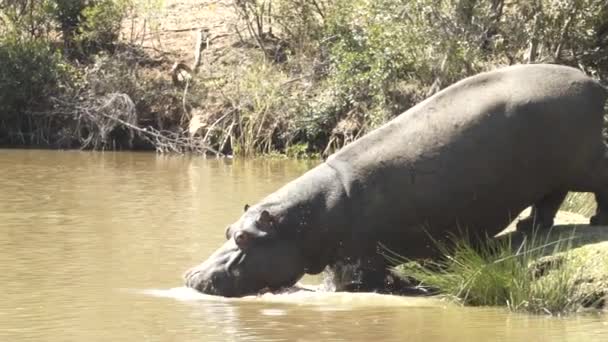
246	207
228	233
265	220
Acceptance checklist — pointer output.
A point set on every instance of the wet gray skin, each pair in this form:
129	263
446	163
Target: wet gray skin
471	156
250	261
289	233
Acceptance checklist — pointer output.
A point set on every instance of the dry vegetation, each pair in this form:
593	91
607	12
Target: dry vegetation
245	77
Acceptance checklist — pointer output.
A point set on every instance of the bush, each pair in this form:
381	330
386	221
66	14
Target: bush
314	73
101	24
301	23
88	26
371	50
30	71
68	15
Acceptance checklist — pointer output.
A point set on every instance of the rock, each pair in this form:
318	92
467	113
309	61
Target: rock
588	255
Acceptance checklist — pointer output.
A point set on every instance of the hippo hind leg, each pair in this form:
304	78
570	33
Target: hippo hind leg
543	212
596	181
601	214
601	196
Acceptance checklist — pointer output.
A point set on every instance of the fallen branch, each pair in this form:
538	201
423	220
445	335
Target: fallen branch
198	48
187	29
100	117
163	141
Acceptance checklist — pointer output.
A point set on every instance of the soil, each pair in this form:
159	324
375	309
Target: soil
171	32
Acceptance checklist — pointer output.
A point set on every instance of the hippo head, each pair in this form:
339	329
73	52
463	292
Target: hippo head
262	252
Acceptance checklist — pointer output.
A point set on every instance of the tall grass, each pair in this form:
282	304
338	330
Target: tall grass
537	276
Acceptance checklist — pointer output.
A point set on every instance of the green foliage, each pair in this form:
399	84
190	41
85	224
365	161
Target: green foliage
68	14
380	57
84	24
364	61
90	26
372	48
45	98
301	22
522	278
101	23
30	71
24	19
33	69
314	73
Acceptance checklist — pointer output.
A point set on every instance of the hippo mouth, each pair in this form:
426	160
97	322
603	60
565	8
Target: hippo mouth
232	272
218	276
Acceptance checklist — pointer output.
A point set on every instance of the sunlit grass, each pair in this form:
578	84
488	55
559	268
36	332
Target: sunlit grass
537	276
580	202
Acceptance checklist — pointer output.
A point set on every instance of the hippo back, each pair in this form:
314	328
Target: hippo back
475	154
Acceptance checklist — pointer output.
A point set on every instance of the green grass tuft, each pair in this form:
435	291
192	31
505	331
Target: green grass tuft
537	276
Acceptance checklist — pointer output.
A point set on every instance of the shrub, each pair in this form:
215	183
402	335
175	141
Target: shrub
101	24
30	71
68	14
88	26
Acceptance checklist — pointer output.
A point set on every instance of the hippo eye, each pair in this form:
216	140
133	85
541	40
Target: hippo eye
265	221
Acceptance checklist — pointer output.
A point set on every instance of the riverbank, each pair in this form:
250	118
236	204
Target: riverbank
556	272
260	77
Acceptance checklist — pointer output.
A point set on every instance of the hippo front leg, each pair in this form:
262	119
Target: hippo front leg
360	274
370	274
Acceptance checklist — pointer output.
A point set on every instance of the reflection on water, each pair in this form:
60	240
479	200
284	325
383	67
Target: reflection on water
93	246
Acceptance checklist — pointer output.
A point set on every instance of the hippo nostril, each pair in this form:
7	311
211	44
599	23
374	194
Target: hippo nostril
192	278
190	273
196	280
242	239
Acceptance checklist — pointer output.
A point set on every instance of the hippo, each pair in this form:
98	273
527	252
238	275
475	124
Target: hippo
473	156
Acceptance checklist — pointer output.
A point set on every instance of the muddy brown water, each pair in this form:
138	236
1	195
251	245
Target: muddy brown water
93	246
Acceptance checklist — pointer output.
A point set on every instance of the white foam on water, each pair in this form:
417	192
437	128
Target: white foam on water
328	300
179	293
273	312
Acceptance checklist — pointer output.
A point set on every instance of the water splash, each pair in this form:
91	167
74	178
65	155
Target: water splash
323	300
341	275
179	293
